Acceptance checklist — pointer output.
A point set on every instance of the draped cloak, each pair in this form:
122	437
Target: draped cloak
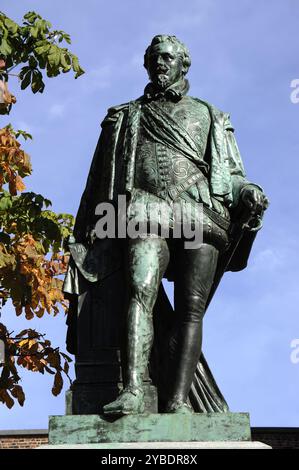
112	173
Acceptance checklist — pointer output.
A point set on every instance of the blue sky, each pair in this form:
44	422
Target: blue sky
244	57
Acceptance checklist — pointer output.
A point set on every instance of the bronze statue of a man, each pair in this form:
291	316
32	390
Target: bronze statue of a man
163	148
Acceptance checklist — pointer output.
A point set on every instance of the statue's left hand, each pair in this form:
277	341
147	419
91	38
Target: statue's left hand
254	199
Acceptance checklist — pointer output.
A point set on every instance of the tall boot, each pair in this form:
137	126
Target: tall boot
183	366
138	348
194	277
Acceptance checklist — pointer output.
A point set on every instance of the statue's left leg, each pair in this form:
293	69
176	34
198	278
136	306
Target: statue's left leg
194	274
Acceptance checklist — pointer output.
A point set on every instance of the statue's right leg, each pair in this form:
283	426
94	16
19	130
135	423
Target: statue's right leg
147	260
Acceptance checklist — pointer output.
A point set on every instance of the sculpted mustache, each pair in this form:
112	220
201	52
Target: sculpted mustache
162	69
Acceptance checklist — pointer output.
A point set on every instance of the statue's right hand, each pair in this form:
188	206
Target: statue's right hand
89	235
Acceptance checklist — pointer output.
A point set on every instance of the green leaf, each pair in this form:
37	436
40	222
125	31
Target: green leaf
5	203
54	58
34	31
66	62
32	62
39	199
42	47
31	16
63	61
79	73
42	26
26	80
52	71
23	134
5	48
37	84
47	202
76	66
75	63
23	72
11	25
41	62
67	38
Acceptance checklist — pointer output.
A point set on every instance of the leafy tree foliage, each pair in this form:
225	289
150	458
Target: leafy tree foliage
36	46
32	237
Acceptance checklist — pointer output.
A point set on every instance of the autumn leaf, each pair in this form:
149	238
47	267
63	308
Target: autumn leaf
58	383
14	162
66	367
18	309
54	360
23	343
20	186
5	398
28	312
40	312
50	371
18	393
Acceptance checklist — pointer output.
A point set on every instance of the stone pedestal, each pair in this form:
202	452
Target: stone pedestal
150	428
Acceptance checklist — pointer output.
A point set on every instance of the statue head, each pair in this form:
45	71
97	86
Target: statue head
166	60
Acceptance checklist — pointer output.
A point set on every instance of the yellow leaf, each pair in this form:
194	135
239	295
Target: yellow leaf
23	343
31	343
20	186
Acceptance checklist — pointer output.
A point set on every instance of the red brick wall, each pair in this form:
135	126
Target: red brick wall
22	441
277	438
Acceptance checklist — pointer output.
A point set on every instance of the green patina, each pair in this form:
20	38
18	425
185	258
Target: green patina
83	429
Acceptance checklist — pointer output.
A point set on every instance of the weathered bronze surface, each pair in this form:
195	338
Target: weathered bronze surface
164	147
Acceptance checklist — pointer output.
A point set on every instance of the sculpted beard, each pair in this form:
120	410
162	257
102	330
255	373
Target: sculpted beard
162	78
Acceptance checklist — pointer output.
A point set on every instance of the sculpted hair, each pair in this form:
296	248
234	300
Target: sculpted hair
182	49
